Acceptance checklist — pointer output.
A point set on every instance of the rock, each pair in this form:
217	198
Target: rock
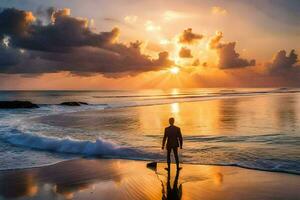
152	165
73	103
83	103
17	104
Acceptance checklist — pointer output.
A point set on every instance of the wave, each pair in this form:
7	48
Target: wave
100	147
107	149
50	109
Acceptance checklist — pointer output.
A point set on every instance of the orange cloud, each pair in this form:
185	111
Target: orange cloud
59	13
188	37
282	62
217	10
185	53
228	58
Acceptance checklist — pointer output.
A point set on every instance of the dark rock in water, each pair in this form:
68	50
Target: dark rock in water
152	165
17	104
73	103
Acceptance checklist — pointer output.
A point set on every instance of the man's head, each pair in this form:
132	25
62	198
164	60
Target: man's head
171	121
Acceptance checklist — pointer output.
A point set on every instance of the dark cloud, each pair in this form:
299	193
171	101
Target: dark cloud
228	57
63	33
283	63
185	53
188	37
8	56
282	71
14	22
67	43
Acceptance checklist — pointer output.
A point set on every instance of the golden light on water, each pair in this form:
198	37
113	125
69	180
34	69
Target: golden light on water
175	108
174	70
174	91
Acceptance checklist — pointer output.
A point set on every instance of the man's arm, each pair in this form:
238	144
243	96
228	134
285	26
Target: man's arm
164	140
180	138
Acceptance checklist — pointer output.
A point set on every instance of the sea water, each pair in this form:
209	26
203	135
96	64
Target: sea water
252	128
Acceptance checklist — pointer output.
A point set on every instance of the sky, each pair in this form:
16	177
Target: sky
135	44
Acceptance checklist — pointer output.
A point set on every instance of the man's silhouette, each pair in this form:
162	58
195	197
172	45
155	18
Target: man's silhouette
174	140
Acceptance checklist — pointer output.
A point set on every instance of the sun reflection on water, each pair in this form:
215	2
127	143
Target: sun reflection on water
175	108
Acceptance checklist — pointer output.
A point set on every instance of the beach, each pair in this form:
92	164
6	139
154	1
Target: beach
236	145
125	179
149	100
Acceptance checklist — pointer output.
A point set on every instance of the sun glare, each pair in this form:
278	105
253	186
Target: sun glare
174	70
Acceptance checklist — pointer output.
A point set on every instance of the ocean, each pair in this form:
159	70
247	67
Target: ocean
257	128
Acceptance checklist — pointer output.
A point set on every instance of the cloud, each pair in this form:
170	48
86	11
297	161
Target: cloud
14	22
151	26
171	15
63	33
196	62
110	19
119	22
130	19
185	53
67	43
228	57
8	56
282	63
217	10
214	41
282	71
56	14
188	37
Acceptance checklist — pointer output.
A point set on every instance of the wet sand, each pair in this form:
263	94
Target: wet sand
124	179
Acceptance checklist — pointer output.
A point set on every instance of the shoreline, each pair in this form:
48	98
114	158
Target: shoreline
129	179
145	160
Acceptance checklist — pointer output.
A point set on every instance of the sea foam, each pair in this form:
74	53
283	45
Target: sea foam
100	147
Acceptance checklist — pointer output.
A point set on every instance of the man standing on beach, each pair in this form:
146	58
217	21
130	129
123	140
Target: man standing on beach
174	140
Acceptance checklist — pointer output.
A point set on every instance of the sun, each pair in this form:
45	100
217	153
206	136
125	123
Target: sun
174	70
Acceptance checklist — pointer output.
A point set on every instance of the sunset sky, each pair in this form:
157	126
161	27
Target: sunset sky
135	44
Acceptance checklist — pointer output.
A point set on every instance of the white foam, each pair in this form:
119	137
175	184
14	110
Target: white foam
99	147
16	129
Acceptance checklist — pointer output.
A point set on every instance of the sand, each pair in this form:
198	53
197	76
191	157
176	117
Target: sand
110	179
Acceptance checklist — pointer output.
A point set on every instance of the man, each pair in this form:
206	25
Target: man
174	140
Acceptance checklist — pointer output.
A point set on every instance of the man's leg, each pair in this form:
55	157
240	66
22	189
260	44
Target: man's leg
175	150
169	157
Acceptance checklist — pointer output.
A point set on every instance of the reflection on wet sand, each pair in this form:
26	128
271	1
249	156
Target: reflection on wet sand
218	178
18	184
65	178
175	192
123	179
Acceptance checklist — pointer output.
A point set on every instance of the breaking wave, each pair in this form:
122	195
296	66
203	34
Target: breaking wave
100	147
